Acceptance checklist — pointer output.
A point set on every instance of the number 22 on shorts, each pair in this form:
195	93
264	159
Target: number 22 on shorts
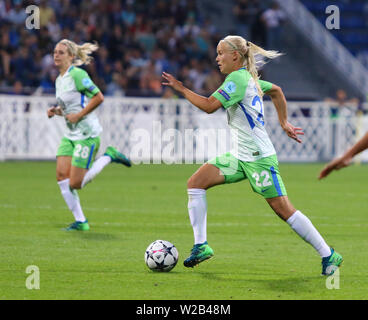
266	179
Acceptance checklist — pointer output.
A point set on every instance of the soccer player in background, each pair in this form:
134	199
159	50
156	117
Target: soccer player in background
346	158
77	98
254	157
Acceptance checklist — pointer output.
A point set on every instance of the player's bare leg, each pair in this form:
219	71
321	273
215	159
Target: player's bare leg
205	177
76	177
282	207
63	166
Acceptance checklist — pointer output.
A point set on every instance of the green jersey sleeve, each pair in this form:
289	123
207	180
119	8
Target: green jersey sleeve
232	90
265	85
83	82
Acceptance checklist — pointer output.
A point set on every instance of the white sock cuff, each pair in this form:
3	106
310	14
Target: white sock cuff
64	183
106	159
197	192
293	217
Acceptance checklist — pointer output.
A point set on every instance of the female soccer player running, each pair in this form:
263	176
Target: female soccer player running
254	157
77	97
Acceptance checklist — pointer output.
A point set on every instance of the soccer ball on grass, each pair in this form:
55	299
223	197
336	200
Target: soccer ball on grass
161	255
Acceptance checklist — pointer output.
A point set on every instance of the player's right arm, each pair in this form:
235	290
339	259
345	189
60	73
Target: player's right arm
279	101
346	158
208	105
55	110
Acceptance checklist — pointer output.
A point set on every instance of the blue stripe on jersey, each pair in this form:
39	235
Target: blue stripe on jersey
90	156
276	181
82	100
249	118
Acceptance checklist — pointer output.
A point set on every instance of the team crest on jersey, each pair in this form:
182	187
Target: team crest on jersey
230	87
86	82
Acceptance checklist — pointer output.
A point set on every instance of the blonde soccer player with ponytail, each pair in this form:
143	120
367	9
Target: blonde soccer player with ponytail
253	157
77	98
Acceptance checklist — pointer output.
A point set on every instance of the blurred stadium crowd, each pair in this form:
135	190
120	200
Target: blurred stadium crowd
138	39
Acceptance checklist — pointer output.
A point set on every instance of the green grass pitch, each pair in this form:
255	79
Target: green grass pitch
257	256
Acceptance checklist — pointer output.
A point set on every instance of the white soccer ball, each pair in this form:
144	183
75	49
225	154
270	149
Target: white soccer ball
161	255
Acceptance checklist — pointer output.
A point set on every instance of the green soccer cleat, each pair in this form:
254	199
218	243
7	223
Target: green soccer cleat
331	263
117	156
79	226
200	252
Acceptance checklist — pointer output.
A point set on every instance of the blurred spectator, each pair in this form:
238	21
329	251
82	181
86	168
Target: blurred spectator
197	75
150	82
273	19
128	16
138	40
146	38
17	88
48	81
17	15
117	87
6	52
258	31
213	81
169	93
46	13
54	29
342	105
242	15
365	13
4	9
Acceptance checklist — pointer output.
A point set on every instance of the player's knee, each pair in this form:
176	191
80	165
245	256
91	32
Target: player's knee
75	184
60	176
195	183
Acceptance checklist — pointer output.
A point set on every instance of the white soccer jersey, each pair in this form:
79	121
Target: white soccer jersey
239	96
73	92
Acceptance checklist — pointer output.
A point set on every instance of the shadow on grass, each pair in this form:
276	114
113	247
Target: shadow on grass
92	235
293	284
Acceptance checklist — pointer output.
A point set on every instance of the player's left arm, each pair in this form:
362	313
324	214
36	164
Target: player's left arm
278	98
85	85
95	101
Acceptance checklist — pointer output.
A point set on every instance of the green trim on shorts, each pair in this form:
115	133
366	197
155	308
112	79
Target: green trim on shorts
263	174
83	152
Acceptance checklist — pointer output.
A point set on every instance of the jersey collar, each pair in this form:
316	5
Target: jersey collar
70	69
67	71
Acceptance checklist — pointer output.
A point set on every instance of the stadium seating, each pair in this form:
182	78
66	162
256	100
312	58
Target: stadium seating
353	32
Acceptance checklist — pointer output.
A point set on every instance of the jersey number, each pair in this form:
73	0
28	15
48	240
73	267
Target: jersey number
80	151
266	181
257	103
